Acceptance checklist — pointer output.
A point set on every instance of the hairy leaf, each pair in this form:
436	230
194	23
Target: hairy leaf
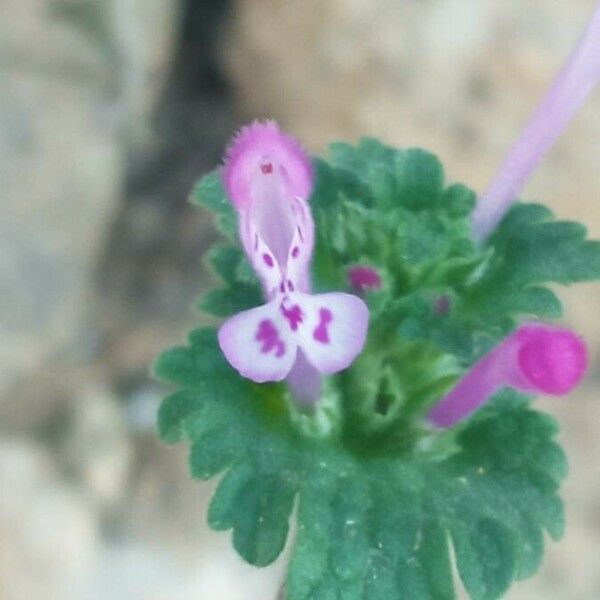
384	503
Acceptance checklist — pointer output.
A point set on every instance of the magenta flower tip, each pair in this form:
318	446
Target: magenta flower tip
536	358
363	278
262	147
554	361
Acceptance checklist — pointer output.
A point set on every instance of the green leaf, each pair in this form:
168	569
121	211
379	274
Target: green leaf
245	274
423	240
458	200
533	249
523	215
179	365
174	410
260	528
255	497
310	564
434	556
419	178
325	193
535	300
229	493
215	450
193	366
210	193
486	497
224	302
375	152
486	557
345	156
225	260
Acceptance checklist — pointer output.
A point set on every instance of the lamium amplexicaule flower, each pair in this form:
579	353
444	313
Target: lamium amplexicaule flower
269	179
395	402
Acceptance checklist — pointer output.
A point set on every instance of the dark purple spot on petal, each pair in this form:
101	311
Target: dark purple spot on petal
293	315
290	285
268	336
282	287
266	168
321	333
295	251
268	260
300	234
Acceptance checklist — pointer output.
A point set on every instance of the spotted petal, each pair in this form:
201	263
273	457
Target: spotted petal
334	330
297	266
262	259
259	344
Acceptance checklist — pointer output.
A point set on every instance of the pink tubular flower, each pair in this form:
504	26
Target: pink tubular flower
535	358
269	178
568	93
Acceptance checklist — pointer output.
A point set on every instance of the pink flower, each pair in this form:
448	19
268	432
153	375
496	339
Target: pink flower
269	179
535	358
568	93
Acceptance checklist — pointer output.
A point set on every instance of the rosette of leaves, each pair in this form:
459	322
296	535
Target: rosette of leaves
385	505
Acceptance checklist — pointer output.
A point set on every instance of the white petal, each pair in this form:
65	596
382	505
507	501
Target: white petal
300	253
261	257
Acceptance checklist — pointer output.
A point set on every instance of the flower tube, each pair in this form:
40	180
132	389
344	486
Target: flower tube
535	358
296	335
568	93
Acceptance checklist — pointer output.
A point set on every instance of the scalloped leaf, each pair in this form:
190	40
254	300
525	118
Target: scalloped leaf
419	178
372	525
224	302
225	260
531	248
210	193
383	503
494	519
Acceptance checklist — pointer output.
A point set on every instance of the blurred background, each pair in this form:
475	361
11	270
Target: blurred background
109	112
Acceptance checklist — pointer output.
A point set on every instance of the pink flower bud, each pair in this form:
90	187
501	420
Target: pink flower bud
363	278
535	358
552	360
